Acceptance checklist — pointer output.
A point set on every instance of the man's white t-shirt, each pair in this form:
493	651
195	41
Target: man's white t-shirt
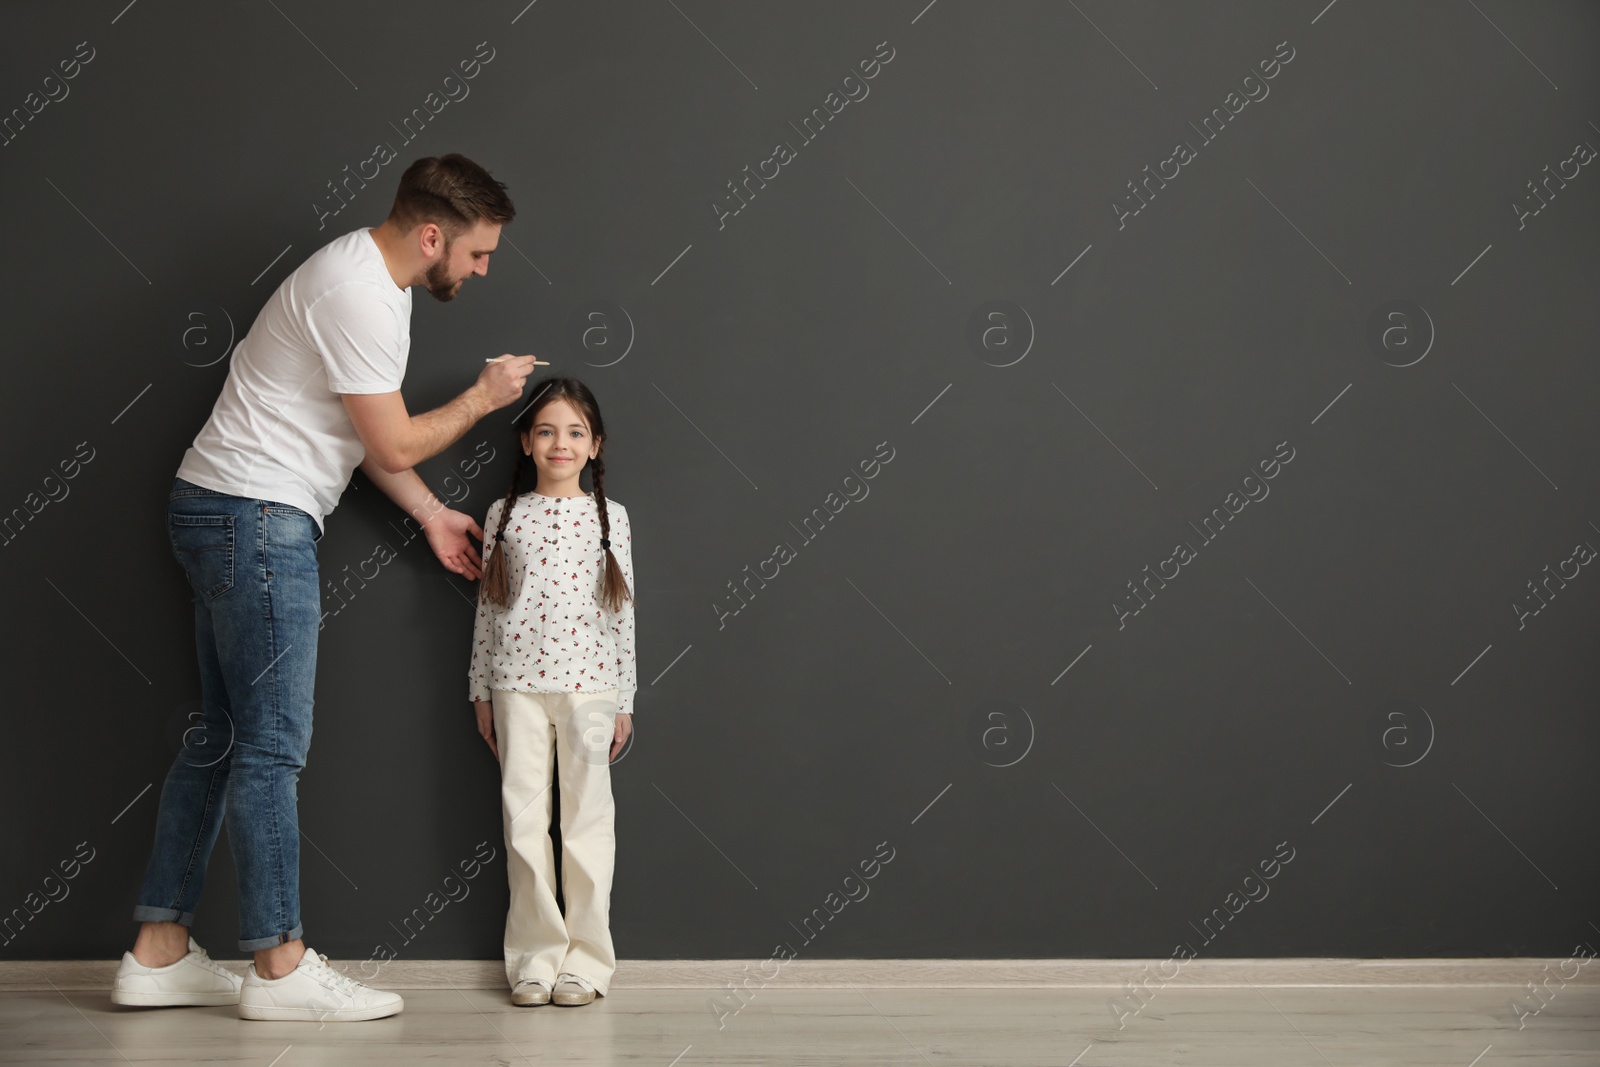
337	324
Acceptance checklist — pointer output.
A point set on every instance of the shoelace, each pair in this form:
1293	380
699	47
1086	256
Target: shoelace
325	972
582	983
200	957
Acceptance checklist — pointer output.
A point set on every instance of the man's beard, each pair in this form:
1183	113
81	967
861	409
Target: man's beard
438	278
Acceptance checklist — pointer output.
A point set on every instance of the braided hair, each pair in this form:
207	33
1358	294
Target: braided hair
496	584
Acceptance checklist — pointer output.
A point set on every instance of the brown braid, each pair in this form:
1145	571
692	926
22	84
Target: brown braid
613	586
496	584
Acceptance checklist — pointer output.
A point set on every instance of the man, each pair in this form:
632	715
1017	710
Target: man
313	391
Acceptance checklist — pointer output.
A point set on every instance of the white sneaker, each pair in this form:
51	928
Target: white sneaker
314	992
195	979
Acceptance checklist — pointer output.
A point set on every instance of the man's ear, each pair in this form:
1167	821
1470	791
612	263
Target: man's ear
430	235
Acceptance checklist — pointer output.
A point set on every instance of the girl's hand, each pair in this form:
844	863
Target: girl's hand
623	732
485	713
447	535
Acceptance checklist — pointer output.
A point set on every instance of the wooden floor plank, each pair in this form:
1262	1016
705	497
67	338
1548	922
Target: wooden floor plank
1369	1026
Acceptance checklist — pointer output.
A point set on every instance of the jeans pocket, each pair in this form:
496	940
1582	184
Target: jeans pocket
289	525
203	544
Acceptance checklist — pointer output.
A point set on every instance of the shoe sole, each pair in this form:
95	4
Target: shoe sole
131	998
273	1013
522	1002
569	1000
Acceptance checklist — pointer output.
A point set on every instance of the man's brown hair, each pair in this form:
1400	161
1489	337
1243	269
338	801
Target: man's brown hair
452	192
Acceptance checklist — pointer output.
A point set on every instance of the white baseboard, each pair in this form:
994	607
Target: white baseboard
711	975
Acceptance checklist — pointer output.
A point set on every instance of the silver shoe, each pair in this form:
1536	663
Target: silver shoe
571	991
530	993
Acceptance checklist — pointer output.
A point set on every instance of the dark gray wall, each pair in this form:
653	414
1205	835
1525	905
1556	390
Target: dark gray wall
1341	676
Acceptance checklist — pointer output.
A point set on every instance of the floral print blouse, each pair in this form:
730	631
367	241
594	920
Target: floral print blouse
555	636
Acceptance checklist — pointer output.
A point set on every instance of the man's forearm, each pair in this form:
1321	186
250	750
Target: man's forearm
407	489
434	431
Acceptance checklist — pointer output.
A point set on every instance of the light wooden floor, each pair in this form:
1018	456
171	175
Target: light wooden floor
1269	1027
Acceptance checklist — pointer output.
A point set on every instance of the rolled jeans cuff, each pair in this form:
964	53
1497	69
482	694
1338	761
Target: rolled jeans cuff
258	943
144	913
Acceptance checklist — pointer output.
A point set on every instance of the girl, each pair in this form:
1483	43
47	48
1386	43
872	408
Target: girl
552	681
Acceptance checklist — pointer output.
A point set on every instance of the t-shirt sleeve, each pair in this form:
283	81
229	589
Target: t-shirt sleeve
360	339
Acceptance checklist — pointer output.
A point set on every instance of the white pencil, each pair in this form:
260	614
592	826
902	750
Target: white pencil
498	359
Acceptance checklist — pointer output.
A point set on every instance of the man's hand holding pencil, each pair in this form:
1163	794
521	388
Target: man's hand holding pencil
503	377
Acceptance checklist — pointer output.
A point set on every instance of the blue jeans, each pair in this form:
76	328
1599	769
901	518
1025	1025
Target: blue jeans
252	565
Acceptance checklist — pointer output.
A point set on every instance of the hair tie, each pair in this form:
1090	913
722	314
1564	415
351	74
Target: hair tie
604	543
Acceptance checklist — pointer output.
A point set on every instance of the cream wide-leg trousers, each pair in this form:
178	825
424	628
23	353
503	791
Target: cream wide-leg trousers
537	732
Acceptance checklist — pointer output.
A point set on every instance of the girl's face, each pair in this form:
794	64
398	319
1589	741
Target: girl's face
560	444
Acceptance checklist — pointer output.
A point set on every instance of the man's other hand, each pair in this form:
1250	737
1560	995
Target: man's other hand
447	533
